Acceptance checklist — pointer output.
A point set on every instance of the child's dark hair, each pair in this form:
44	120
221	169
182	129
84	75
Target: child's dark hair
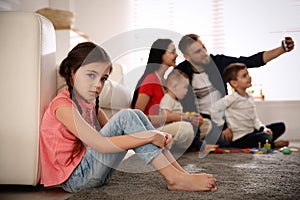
82	54
231	71
158	49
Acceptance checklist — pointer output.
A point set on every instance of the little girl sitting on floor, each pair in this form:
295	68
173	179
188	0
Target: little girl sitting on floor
80	148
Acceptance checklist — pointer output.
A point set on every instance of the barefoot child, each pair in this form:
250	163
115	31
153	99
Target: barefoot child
80	148
245	130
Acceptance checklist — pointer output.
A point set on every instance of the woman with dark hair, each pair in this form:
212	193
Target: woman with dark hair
150	90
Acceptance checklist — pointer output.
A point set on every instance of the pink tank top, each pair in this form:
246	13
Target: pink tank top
57	142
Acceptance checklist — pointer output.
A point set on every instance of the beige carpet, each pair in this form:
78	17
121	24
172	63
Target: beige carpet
239	176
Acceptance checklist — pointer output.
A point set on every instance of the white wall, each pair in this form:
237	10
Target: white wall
281	111
23	5
248	27
259	25
102	20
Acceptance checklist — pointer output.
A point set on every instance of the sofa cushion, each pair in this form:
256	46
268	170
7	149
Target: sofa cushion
114	96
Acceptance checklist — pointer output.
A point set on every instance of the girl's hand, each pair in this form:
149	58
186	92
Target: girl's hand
161	139
169	141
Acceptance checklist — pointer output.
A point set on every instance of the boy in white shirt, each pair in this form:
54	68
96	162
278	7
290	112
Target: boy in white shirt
245	130
177	84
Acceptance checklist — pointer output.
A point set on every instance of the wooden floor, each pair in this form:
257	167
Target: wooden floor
18	192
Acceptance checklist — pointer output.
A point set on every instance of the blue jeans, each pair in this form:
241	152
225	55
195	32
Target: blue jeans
96	169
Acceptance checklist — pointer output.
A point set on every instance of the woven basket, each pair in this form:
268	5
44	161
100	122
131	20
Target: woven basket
61	19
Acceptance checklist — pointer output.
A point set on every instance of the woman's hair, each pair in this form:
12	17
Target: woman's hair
231	71
186	41
158	49
82	54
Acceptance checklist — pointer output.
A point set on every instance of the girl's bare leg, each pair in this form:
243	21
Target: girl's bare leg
172	160
178	179
164	163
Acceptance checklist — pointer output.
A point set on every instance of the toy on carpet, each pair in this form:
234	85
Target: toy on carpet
218	150
266	149
288	150
267	145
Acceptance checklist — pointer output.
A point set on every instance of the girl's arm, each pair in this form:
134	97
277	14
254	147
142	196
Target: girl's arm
72	119
102	118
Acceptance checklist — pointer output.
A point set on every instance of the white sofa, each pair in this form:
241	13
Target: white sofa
27	84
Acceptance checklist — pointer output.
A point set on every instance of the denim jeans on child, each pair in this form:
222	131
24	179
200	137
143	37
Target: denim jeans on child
96	169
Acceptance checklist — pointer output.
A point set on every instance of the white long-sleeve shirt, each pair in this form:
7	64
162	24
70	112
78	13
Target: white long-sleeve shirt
240	114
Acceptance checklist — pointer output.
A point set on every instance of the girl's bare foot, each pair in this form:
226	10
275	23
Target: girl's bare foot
281	143
193	182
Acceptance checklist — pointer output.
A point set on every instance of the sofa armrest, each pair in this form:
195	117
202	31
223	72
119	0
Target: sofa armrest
27	84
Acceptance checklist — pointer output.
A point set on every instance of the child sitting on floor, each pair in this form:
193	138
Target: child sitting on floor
245	130
80	148
177	84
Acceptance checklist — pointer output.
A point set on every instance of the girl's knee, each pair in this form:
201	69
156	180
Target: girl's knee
138	111
122	116
126	112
